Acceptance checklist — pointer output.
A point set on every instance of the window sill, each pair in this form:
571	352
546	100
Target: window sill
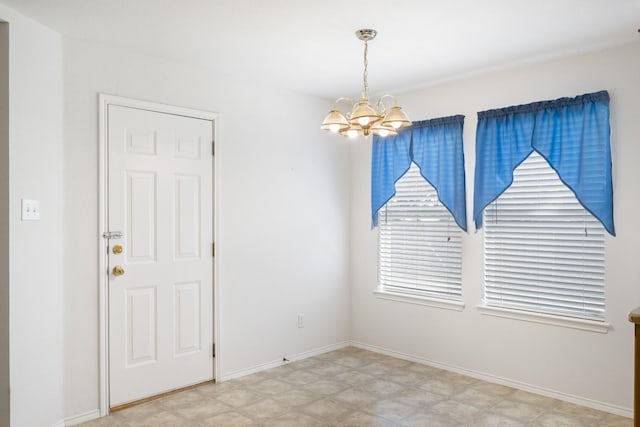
419	299
547	319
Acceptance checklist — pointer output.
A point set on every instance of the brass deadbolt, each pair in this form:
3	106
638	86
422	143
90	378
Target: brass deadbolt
118	270
117	249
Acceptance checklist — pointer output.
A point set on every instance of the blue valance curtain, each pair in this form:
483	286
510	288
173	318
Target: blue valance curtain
435	146
572	134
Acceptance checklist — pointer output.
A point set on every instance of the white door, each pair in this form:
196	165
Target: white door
161	306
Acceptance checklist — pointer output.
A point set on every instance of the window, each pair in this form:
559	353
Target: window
543	251
419	243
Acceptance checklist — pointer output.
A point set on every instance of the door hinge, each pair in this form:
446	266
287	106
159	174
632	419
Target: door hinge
213	249
213	148
214	350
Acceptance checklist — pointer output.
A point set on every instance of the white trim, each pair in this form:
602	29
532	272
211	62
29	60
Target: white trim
419	299
578	400
104	101
103	296
274	364
82	418
58	424
546	319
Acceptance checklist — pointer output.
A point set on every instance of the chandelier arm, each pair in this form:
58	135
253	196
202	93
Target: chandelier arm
381	107
345	100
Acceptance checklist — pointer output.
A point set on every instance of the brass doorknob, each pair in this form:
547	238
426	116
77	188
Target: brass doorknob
118	270
117	249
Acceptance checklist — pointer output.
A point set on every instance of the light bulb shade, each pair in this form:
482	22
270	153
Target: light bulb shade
335	121
383	130
396	118
352	131
363	114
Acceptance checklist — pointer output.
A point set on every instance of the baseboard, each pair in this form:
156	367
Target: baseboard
59	424
274	364
81	418
578	400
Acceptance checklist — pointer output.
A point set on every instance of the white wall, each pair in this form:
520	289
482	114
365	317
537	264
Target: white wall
36	262
4	224
588	365
282	203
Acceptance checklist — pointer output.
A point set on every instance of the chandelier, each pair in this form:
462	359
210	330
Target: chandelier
363	118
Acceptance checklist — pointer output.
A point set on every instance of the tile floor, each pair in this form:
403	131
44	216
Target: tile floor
354	387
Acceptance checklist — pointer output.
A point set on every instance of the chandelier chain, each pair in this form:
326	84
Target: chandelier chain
365	89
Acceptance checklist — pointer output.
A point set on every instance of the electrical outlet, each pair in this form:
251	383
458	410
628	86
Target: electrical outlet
300	320
30	210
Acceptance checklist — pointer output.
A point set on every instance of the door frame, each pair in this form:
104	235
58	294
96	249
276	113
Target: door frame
104	100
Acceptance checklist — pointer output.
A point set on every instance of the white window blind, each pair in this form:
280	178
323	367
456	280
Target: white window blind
543	251
420	243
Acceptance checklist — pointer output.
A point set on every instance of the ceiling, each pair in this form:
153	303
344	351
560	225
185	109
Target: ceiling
310	46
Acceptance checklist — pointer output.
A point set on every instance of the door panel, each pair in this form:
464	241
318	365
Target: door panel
160	194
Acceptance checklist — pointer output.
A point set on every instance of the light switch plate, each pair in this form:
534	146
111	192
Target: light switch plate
30	210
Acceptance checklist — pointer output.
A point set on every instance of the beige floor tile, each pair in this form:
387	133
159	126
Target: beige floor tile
497	389
426	370
329	369
394	362
108	421
160	419
325	387
390	409
355	397
517	410
239	397
554	419
300	377
352	362
534	399
229	419
328	409
139	412
280	371
270	387
297	397
215	389
204	410
438	386
417	398
377	369
362	419
577	410
309	363
264	409
455	378
183	399
460	412
611	420
495	420
249	379
477	398
429	420
295	419
405	377
381	388
354	377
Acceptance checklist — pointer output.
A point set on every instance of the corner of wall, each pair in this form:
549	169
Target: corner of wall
4	223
